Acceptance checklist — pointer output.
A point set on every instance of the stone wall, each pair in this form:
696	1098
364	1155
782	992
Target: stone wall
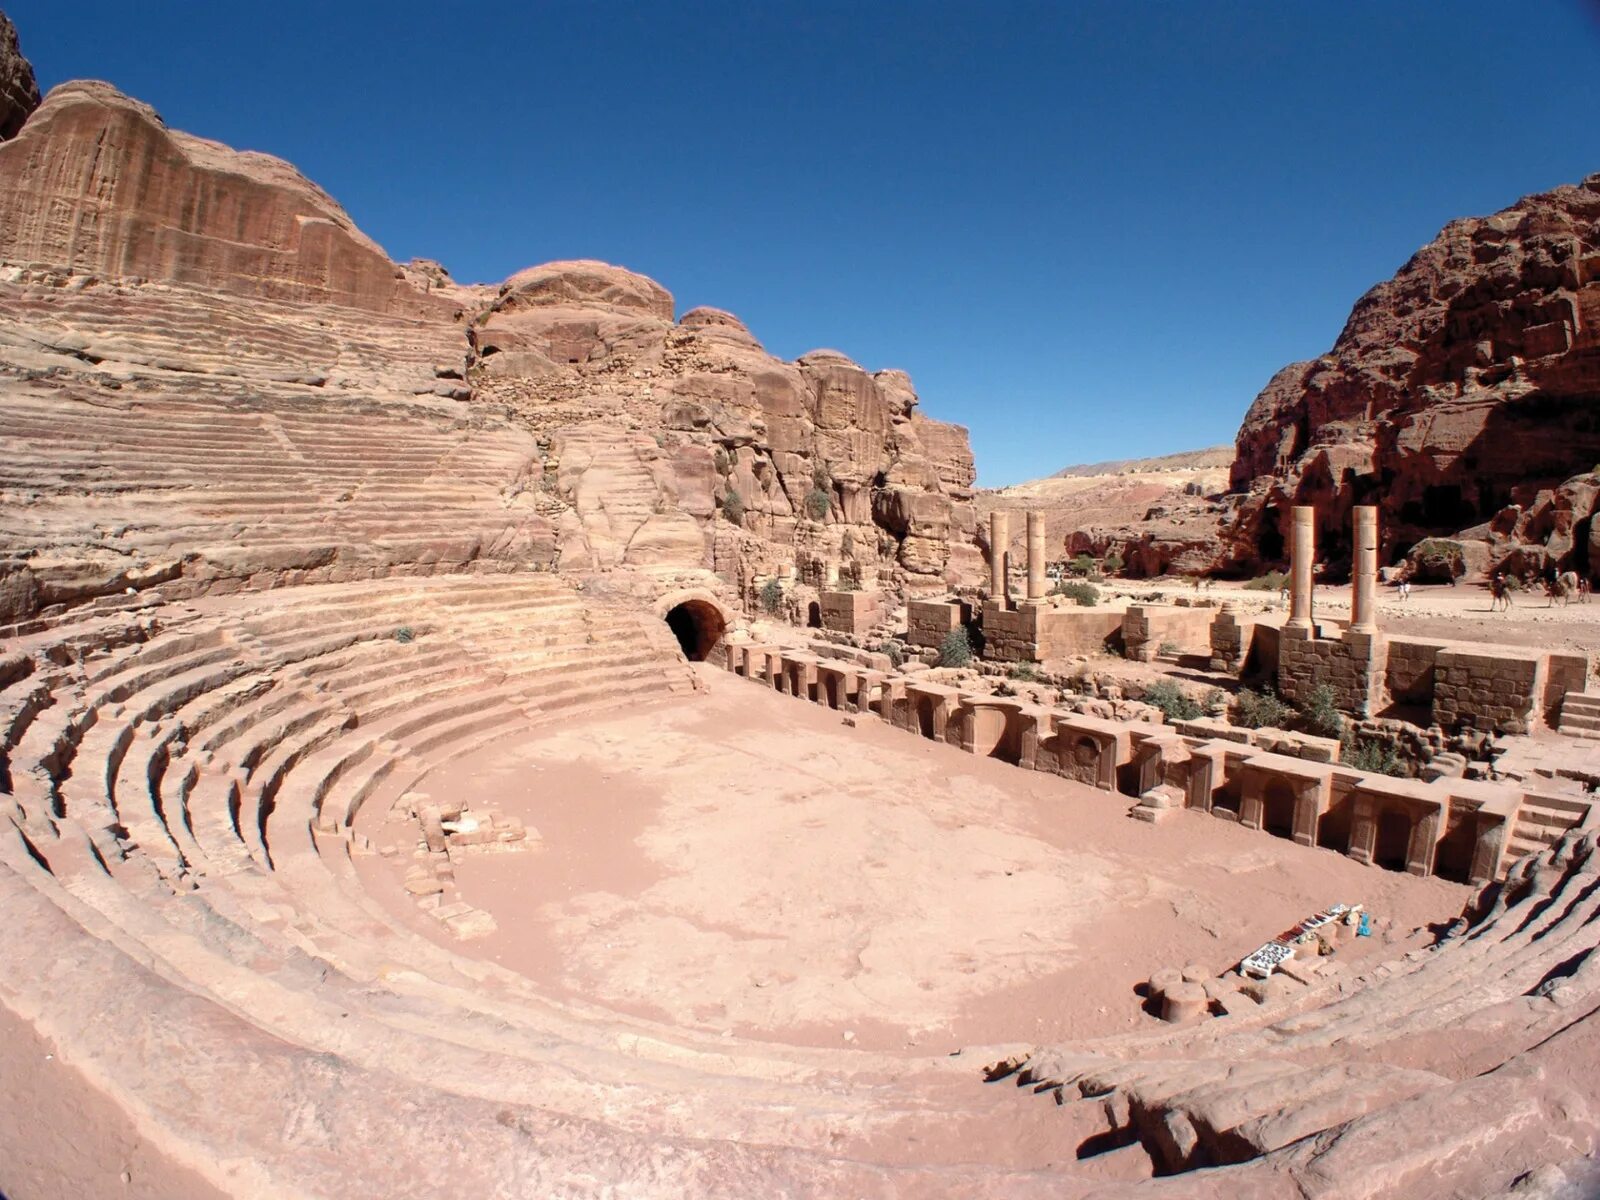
1148	627
1032	633
1409	674
1488	690
1011	634
849	612
1350	666
1063	633
928	622
1567	673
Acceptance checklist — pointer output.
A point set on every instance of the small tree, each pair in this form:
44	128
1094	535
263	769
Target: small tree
1080	591
733	506
956	649
818	503
1369	754
1175	704
772	597
1257	710
1320	713
1082	565
1272	581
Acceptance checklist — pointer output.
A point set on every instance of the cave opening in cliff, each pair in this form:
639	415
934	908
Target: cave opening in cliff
1270	542
698	626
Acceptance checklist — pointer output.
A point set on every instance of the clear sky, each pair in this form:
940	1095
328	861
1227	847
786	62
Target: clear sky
1088	230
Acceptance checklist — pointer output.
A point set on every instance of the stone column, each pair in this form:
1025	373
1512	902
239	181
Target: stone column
999	543
1364	576
1035	556
1301	551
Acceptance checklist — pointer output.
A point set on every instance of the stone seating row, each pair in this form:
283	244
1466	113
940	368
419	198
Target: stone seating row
239	843
1260	1080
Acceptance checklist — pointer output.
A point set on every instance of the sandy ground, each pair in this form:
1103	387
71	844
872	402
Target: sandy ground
747	863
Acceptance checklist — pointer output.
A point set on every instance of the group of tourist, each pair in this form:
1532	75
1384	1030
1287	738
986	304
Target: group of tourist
1565	586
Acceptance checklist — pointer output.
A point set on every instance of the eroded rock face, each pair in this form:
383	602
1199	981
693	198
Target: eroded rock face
137	259
96	183
1461	387
19	91
816	464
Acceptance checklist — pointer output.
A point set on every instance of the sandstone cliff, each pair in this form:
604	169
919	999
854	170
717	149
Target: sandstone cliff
685	443
96	183
192	337
19	92
1460	397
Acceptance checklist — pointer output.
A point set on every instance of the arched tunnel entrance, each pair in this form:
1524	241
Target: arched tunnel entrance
698	625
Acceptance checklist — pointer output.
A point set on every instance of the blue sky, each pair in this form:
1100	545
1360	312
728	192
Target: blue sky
1088	230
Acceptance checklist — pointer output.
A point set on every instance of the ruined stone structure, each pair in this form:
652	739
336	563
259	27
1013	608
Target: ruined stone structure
1488	688
1287	785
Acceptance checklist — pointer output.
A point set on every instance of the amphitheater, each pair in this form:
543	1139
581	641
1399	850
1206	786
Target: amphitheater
408	792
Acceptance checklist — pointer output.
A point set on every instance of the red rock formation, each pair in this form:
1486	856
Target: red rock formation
1464	385
831	465
96	183
19	92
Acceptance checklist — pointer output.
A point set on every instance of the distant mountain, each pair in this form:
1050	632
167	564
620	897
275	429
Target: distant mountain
1211	458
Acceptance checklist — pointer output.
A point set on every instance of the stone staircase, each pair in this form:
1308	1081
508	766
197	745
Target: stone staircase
1541	820
1580	715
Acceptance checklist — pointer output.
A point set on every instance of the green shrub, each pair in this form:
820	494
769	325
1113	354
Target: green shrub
817	504
405	634
1369	754
1112	564
733	506
1320	713
772	597
1175	704
1257	710
956	650
1079	591
895	651
1082	565
1272	581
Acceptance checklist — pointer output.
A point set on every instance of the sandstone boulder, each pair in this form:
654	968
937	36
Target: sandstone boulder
585	283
